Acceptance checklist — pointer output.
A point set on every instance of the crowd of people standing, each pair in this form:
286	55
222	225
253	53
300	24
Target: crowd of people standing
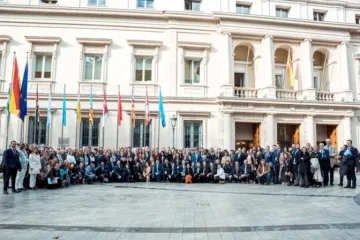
32	167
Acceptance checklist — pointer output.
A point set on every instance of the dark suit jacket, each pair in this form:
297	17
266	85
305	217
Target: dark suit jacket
189	172
324	158
248	169
11	160
240	157
296	155
228	169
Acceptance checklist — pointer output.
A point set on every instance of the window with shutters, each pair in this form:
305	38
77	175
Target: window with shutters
89	133
193	134
141	134
37	132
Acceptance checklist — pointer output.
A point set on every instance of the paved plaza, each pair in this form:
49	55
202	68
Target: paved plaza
179	211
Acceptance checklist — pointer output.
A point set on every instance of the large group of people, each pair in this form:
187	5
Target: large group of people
32	166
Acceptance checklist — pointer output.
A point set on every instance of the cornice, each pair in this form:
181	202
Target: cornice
94	41
195	45
5	38
214	17
144	43
43	39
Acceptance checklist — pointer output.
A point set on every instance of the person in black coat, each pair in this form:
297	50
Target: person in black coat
172	176
304	167
324	163
166	169
117	172
204	171
295	164
101	172
80	174
10	164
137	170
110	169
212	172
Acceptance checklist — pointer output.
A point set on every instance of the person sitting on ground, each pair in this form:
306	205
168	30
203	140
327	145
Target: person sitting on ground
220	174
166	169
212	172
72	174
157	171
116	176
264	173
64	173
188	174
197	172
137	170
90	175
53	178
236	172
245	173
182	172
204	171
80	174
126	174
101	172
228	169
172	176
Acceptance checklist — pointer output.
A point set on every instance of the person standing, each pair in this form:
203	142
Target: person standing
11	165
332	155
351	155
34	167
324	163
23	158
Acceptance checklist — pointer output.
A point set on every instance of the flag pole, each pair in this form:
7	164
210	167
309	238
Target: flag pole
76	122
90	123
48	128
145	122
8	119
158	143
35	119
22	137
103	128
62	125
117	122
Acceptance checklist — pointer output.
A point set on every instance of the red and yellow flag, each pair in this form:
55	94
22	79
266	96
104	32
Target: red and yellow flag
147	109
289	69
119	113
14	106
133	115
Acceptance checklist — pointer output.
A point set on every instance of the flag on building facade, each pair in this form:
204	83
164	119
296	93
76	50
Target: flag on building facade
147	109
161	110
289	69
91	111
105	110
119	113
64	108
37	109
133	115
14	106
78	108
48	118
8	102
23	95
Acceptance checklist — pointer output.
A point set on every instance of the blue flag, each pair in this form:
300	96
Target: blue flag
161	110
23	94
64	109
48	119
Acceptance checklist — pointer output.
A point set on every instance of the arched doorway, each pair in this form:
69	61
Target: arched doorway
284	78
244	74
320	70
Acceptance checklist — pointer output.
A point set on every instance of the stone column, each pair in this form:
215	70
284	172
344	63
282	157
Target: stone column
307	78
347	128
267	74
227	85
227	130
271	134
346	94
311	130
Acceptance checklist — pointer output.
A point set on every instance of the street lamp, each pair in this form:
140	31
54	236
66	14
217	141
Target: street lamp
173	120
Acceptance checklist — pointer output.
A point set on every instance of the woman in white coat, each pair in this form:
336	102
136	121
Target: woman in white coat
34	167
220	174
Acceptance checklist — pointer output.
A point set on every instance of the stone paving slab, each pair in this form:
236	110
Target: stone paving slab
179	211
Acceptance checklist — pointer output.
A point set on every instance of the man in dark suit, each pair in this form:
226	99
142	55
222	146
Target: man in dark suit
241	156
324	163
11	164
276	163
172	176
296	155
196	157
245	173
204	171
158	171
351	155
166	169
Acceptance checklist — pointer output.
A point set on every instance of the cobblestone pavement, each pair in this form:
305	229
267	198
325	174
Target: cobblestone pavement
179	211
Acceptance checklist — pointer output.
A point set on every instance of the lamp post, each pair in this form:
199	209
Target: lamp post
173	120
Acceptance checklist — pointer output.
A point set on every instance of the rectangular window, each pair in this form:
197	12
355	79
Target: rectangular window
279	81
242	9
141	134
37	133
89	134
93	67
357	19
97	2
145	3
319	16
192	71
192	134
282	12
42	66
193	5
143	69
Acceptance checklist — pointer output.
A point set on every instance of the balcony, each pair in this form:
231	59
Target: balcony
292	95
